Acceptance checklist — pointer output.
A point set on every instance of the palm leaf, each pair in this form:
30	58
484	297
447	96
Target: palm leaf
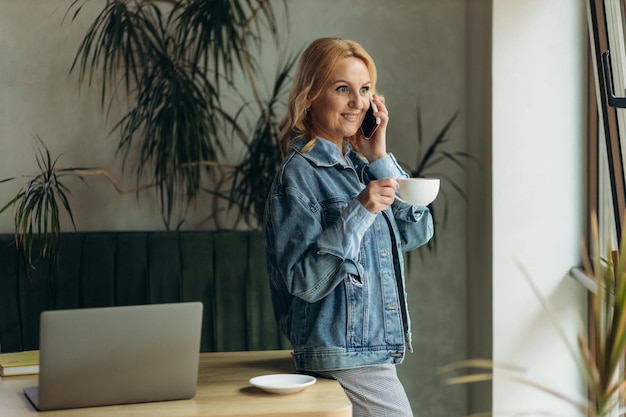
429	157
172	67
253	176
39	204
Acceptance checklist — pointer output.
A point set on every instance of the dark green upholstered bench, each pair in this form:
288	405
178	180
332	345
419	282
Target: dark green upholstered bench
223	269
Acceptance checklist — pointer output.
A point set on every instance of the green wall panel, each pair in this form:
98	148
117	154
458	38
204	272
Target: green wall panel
34	296
225	270
260	314
131	269
198	280
98	270
165	275
231	270
66	285
10	323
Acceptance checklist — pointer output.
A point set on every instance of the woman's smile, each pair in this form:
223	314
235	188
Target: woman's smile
353	117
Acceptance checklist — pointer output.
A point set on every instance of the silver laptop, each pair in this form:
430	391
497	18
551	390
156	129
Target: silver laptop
117	355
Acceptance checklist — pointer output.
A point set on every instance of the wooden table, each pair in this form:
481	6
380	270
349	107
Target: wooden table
223	390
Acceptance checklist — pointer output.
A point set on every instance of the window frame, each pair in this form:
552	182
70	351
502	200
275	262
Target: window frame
606	196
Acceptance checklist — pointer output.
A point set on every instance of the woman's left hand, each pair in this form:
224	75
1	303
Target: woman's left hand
376	147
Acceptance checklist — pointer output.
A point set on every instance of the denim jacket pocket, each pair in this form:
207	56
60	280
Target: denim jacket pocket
356	307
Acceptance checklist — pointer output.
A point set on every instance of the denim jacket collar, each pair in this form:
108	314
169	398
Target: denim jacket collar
324	152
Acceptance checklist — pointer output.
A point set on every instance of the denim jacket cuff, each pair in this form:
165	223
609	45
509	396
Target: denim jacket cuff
386	167
355	219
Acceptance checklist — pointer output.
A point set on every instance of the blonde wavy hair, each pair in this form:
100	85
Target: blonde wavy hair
313	72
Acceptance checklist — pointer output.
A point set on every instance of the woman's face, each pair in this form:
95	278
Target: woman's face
338	111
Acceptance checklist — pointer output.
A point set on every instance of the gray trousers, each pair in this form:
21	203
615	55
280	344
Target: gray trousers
375	391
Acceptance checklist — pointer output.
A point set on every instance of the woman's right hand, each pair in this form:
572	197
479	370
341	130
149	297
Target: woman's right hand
378	195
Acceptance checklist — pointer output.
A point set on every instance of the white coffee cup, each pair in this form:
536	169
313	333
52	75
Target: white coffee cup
418	191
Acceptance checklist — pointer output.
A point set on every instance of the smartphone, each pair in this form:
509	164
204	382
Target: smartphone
370	122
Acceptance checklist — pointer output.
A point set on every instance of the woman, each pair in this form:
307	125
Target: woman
335	234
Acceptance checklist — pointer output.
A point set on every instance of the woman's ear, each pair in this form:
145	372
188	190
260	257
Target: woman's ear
310	98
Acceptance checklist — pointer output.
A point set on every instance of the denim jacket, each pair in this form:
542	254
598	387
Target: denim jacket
337	312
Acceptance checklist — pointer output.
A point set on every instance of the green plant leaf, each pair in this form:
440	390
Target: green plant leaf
36	206
430	157
172	63
253	176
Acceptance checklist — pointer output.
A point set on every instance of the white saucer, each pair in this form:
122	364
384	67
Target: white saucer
282	383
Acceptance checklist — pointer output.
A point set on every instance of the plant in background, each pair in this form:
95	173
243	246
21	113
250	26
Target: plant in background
599	350
430	157
253	176
172	59
37	206
604	349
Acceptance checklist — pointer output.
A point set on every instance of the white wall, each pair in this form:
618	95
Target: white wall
538	129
